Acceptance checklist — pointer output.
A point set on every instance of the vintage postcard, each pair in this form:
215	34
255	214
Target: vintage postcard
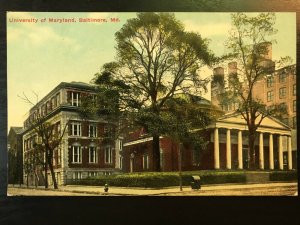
166	104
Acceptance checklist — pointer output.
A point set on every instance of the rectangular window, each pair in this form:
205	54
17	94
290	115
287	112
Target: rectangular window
294	106
93	174
92	154
282	92
77	175
270	96
49	106
43	110
75	129
53	102
294	89
108	154
270	81
75	98
282	77
57	99
92	130
76	154
145	162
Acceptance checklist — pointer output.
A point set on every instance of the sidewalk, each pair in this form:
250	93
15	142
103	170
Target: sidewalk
129	191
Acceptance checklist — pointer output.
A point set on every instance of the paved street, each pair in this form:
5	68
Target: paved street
265	189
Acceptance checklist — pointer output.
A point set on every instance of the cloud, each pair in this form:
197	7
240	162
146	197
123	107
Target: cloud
209	29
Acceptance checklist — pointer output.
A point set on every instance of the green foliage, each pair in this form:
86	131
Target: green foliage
164	179
156	58
283	176
248	44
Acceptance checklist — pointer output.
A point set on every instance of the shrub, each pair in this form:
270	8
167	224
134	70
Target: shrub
163	179
283	176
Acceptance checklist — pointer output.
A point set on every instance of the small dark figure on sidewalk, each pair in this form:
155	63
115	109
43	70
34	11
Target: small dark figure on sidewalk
106	188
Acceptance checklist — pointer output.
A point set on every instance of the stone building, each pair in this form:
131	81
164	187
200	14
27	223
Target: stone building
87	147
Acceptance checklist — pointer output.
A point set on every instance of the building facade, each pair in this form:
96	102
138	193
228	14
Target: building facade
278	88
227	148
15	155
87	148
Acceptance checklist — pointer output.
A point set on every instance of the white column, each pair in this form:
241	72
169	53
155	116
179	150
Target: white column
228	149
131	165
271	152
280	153
290	162
240	150
261	151
216	149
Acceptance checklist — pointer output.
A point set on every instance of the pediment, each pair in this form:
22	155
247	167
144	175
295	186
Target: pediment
267	122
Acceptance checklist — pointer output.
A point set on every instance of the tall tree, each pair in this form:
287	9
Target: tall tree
47	139
185	117
157	58
249	44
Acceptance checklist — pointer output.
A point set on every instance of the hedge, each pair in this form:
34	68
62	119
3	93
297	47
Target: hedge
163	179
283	176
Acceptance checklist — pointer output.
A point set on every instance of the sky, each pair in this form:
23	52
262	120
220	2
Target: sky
41	54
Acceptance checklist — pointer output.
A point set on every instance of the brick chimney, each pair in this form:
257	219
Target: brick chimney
232	68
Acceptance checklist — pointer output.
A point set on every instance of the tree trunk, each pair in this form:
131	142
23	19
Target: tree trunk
156	153
251	144
46	174
180	165
52	174
35	177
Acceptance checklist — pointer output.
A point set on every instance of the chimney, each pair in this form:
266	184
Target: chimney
219	71
218	76
232	68
267	55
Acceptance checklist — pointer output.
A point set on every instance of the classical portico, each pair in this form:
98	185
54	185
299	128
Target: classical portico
230	132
